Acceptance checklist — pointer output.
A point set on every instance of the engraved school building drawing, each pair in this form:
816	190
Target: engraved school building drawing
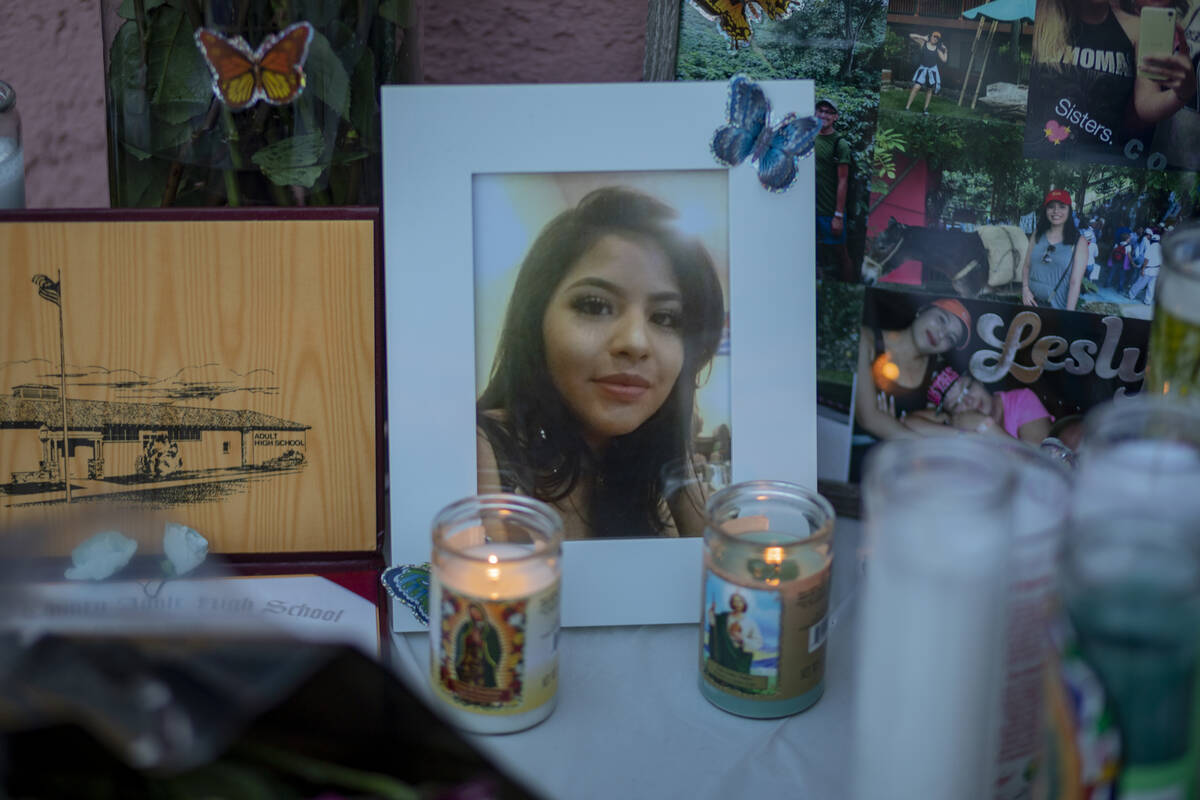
129	444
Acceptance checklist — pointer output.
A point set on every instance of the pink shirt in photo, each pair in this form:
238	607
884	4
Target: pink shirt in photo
1021	406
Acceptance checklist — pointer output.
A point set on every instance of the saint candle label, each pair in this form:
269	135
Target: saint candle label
497	656
762	643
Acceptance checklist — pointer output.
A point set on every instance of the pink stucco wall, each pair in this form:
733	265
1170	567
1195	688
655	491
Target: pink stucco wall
51	52
907	204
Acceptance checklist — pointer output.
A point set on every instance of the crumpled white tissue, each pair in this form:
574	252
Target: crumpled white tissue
100	556
185	548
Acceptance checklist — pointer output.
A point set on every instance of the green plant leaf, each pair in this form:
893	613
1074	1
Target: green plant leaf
319	12
294	160
126	9
125	70
326	77
345	43
398	12
364	108
347	156
180	82
128	107
169	136
294	176
135	151
140	185
295	151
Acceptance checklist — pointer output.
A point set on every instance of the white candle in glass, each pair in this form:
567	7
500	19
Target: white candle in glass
1039	518
498	572
1141	454
12	174
931	647
494	603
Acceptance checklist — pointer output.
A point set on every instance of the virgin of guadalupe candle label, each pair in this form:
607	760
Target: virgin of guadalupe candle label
496	656
764	643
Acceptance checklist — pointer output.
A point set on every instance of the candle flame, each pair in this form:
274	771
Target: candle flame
492	559
773	555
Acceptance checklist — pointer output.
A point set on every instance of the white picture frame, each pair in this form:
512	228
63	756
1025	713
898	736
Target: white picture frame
436	139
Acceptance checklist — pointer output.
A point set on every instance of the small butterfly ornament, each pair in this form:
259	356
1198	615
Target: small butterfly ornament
733	17
409	583
274	72
749	135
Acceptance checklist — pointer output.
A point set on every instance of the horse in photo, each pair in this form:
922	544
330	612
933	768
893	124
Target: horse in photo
985	260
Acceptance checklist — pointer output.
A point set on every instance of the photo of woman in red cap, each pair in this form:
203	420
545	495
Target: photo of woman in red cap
896	367
1052	270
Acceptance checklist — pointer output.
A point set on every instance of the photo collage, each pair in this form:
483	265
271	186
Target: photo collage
993	182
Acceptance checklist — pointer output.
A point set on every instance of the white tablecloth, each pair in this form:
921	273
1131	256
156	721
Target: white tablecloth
631	721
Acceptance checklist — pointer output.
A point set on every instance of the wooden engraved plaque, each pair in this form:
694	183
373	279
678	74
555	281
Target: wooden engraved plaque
218	370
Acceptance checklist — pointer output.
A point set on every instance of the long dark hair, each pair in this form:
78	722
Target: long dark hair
539	447
1070	230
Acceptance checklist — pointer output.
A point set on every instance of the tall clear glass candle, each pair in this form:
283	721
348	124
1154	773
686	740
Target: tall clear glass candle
1140	462
930	672
1173	363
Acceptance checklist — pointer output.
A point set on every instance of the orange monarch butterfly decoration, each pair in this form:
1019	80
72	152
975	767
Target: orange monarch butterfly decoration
274	72
733	17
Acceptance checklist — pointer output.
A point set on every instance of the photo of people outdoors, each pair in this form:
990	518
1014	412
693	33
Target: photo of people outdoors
1000	194
602	357
966	214
969	61
836	45
741	635
931	366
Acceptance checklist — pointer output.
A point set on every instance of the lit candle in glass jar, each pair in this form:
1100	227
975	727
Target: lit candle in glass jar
494	603
768	554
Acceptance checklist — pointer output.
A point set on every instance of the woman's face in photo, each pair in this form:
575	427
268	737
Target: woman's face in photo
613	335
968	394
1057	212
936	330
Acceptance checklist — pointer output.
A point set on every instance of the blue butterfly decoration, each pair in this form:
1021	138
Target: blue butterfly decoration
409	583
749	135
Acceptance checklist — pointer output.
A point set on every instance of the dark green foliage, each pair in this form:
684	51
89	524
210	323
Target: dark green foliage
839	317
897	55
978	166
826	40
172	143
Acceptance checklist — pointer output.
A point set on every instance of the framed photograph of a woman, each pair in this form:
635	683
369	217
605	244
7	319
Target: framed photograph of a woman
584	307
600	307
